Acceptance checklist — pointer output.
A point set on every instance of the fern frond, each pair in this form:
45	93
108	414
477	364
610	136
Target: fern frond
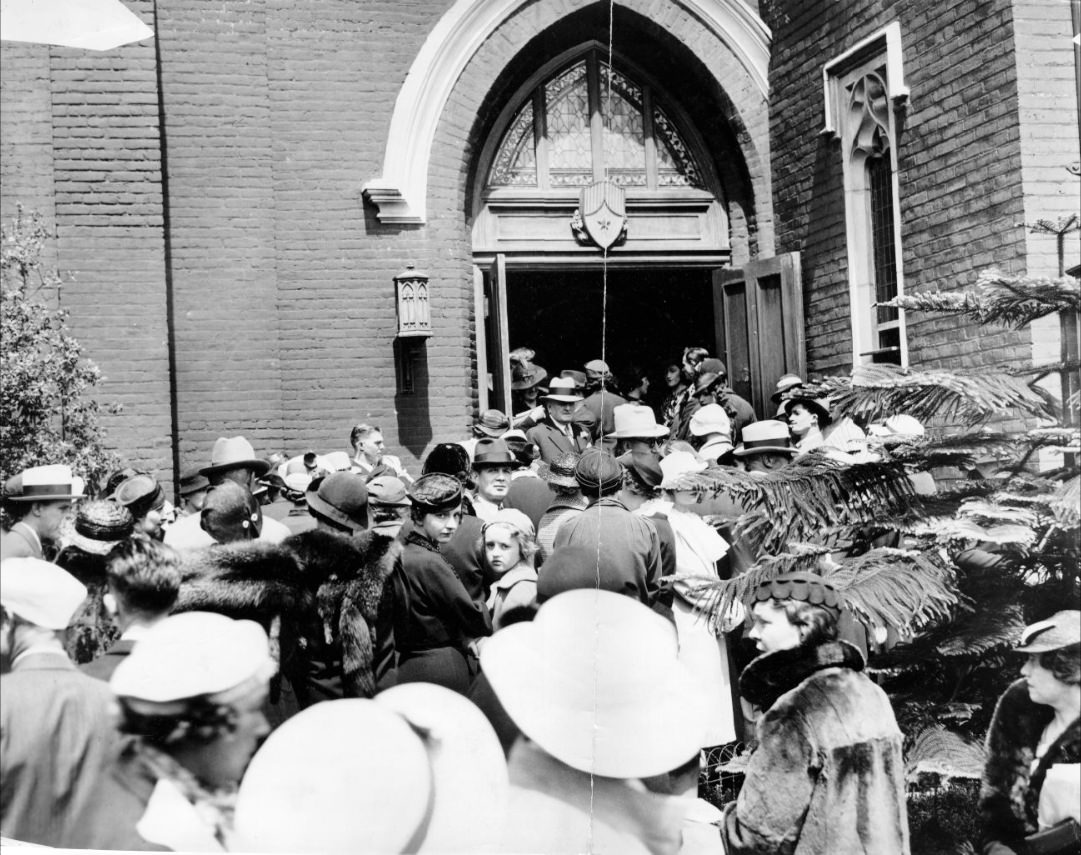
999	298
899	588
982	632
942	752
1066	504
877	391
977	509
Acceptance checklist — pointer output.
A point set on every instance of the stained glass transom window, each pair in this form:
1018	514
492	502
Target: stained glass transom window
560	150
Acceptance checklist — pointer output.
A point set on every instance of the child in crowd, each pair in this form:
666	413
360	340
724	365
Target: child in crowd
509	543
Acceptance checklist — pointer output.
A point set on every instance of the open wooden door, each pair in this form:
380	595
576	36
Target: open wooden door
759	315
493	338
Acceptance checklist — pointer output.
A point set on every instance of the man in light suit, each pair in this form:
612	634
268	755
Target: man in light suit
57	731
40	500
558	434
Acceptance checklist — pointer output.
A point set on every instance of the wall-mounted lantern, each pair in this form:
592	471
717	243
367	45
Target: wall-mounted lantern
414	312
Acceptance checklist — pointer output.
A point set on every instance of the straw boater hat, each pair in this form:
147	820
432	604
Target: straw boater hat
100	525
40	593
634	421
562	389
232	453
52	483
596	682
768	435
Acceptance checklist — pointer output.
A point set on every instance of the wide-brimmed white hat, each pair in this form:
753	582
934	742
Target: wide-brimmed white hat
711	419
677	464
40	592
469	769
193	655
52	483
343	776
595	680
635	420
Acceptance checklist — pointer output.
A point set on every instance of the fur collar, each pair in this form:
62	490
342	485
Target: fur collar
772	674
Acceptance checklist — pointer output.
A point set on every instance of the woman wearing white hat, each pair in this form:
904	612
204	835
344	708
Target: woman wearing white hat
1032	781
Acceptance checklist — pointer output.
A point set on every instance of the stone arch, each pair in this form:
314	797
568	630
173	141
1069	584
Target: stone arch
473	43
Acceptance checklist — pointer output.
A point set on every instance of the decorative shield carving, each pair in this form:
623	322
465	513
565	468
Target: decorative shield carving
602	214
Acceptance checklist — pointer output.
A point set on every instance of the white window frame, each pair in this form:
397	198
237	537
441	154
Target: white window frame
881	54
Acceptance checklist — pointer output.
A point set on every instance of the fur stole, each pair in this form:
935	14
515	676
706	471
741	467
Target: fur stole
1010	791
773	674
346	576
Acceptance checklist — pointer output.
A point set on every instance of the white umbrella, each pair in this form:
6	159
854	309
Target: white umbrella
89	24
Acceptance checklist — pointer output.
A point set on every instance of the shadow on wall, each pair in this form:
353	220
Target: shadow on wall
411	397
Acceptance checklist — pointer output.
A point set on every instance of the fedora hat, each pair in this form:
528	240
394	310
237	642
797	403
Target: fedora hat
711	419
706	381
562	389
493	452
635	420
768	435
341	497
560	472
492	423
192	481
232	453
100	525
645	466
50	483
818	406
595	680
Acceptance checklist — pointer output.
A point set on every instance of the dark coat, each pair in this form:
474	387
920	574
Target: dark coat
551	441
347	576
1010	793
57	738
827	776
92	630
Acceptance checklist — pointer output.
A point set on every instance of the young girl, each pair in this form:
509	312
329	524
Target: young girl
509	546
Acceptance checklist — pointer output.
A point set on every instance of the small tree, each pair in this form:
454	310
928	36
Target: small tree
46	412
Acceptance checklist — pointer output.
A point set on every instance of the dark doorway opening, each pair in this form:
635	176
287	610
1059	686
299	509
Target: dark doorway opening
652	315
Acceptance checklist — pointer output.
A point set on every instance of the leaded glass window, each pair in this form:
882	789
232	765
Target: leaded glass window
593	122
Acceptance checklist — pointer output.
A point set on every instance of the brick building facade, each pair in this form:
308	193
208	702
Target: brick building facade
237	194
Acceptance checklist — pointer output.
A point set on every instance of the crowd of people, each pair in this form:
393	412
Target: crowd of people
498	653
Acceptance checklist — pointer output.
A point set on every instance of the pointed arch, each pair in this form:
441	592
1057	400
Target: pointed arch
400	193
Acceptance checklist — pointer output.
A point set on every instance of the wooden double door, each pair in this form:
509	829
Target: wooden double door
640	319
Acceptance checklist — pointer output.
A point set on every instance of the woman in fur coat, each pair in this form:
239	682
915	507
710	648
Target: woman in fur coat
1032	779
827	776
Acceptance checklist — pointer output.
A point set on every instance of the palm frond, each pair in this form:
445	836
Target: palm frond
981	510
999	298
809	496
1066	502
877	391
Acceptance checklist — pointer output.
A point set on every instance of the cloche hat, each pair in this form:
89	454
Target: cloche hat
635	420
341	497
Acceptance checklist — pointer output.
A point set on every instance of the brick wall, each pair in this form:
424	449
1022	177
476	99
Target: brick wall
959	166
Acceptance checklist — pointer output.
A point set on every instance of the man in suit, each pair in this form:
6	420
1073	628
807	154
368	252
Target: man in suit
39	499
144	581
558	434
602	401
57	734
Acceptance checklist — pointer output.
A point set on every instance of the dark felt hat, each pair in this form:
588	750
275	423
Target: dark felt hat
818	406
598	470
342	498
645	465
140	494
707	380
436	491
192	481
493	452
